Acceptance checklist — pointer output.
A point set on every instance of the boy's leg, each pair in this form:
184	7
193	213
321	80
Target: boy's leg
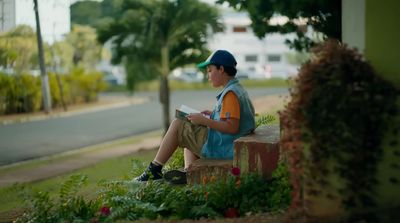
168	144
190	157
167	148
192	138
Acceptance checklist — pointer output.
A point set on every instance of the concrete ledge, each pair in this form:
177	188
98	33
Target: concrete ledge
203	171
258	152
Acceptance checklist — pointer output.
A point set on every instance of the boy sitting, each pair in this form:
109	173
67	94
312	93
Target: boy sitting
209	134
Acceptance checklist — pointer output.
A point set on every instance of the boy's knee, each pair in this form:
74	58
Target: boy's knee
176	122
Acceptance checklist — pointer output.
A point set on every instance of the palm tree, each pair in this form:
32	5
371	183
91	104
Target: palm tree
159	35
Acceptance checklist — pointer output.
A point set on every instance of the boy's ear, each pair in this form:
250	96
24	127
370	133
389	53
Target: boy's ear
222	68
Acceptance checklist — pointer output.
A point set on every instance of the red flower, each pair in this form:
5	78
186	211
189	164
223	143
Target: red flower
231	213
235	171
105	211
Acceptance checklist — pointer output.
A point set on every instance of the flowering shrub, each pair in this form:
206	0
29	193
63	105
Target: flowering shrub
334	125
127	200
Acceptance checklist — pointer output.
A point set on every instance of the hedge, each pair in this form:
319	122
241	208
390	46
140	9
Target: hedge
22	93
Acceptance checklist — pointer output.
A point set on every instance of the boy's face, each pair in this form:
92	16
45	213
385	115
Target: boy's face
215	75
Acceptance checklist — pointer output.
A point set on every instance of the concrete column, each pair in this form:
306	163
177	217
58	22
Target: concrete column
353	23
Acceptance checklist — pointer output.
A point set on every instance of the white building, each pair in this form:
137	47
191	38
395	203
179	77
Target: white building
256	58
54	17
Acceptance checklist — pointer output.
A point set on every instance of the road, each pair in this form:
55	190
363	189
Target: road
24	141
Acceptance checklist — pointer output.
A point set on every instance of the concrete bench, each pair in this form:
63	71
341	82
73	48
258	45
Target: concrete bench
257	152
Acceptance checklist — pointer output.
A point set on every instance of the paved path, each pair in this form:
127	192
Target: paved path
80	159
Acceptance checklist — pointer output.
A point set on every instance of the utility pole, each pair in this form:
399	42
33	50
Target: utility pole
45	79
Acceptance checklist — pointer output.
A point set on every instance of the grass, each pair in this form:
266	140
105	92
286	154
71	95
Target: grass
177	85
74	153
113	169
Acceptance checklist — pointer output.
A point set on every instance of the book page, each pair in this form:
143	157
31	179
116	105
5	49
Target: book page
187	110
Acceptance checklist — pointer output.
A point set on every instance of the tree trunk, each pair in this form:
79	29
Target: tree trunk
164	87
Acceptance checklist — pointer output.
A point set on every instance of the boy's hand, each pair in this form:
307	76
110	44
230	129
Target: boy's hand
207	113
197	118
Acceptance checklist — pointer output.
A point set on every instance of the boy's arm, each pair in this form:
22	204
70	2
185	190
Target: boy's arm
226	125
229	118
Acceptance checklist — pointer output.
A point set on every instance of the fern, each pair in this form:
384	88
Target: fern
264	120
137	167
70	188
40	207
176	161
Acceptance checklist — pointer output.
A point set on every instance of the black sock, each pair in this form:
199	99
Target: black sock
156	167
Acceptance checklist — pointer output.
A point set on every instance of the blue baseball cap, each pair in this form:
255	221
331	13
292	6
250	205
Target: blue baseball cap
219	57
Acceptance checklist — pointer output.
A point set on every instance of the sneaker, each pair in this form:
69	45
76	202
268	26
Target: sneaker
176	176
152	172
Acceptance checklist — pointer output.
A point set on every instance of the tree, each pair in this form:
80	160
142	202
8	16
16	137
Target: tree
90	12
323	16
18	49
86	49
159	35
85	12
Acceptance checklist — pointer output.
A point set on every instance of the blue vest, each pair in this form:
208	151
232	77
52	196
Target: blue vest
220	145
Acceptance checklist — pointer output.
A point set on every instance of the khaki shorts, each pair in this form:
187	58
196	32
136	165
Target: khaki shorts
192	137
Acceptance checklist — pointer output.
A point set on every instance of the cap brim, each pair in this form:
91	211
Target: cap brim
204	64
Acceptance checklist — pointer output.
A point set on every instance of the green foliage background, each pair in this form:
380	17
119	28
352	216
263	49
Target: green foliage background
324	16
22	93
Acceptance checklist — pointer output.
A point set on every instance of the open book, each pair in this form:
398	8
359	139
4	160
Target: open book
184	111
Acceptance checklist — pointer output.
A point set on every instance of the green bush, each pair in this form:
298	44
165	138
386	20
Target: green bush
127	200
84	86
55	90
4	85
22	93
339	113
30	91
19	93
